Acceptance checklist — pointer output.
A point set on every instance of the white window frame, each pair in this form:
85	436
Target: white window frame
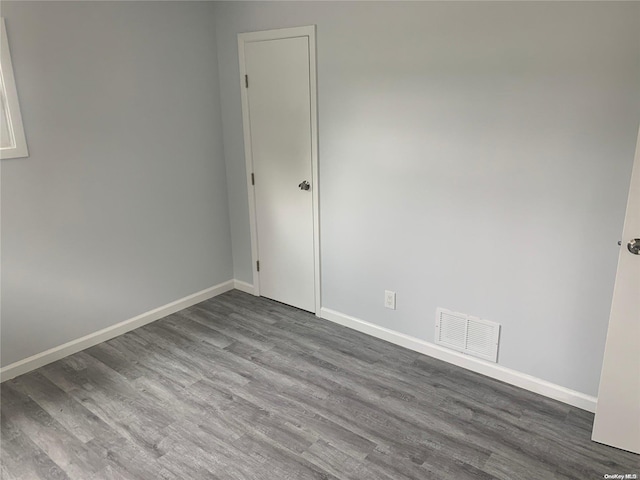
9	99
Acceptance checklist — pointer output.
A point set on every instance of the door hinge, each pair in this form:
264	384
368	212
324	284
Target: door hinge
246	81
258	265
253	179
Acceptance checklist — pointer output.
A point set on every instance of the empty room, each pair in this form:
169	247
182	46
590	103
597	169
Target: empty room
320	240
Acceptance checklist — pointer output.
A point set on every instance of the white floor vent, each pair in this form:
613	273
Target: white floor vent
467	334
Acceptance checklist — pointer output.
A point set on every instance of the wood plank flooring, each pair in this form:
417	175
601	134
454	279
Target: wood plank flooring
239	387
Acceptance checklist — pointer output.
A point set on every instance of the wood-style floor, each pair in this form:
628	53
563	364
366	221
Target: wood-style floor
239	387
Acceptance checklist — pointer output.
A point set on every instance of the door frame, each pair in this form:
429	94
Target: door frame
278	34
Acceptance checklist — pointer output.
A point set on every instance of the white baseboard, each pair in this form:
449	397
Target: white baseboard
244	287
75	346
513	377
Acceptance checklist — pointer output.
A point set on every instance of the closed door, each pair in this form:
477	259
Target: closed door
278	96
617	420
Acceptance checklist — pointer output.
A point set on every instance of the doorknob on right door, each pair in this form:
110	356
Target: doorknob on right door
634	246
304	185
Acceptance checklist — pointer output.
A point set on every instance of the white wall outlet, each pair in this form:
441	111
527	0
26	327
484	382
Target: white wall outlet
390	299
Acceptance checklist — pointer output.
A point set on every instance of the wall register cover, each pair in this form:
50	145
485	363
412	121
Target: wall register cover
467	334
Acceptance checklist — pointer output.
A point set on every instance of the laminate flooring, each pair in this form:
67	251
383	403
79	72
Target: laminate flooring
240	387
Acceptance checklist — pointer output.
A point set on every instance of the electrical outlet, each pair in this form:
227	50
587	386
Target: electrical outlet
390	299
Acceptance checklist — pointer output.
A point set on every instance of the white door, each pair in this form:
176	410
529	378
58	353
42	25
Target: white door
617	421
278	97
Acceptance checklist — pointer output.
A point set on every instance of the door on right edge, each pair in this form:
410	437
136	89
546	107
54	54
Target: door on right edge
617	420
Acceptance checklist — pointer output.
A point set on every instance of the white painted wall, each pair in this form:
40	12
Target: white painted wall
474	156
122	205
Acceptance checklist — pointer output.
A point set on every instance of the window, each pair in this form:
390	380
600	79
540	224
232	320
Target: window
12	140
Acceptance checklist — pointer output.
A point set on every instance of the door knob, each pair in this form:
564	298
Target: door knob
634	246
304	185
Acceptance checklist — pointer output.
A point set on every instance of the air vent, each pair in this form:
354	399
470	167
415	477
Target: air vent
467	334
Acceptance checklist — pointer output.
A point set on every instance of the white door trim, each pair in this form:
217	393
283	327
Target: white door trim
244	38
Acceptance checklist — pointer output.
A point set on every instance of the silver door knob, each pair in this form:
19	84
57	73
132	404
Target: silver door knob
304	185
634	246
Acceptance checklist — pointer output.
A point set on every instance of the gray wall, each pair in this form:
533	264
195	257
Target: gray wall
473	156
122	205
